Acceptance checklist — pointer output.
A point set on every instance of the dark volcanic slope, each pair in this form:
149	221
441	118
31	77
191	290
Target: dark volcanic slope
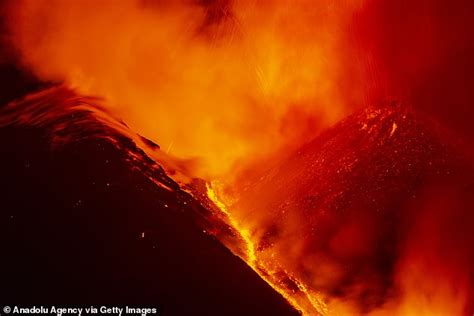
369	157
79	225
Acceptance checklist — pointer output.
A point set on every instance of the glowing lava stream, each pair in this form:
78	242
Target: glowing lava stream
302	299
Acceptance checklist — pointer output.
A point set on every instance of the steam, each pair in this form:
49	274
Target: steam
224	82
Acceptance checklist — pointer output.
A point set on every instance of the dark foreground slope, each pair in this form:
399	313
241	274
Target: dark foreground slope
80	225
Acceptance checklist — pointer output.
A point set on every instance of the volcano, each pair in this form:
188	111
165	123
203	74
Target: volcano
87	218
330	223
238	157
336	214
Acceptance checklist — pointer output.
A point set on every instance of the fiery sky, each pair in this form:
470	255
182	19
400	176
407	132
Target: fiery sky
219	81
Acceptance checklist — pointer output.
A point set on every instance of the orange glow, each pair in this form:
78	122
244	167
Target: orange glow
255	98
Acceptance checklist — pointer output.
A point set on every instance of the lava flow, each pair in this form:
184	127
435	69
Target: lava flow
291	289
330	143
347	223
